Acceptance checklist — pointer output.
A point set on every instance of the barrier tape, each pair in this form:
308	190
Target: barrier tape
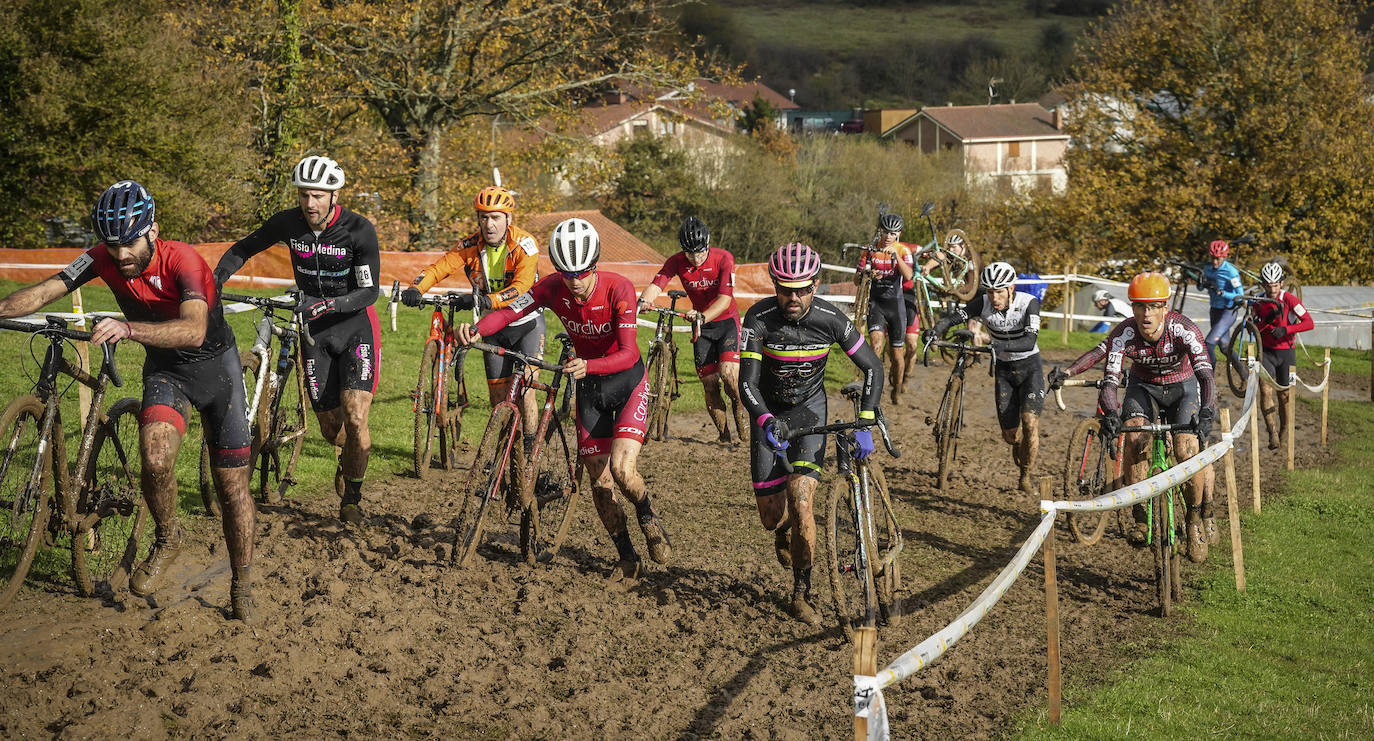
1325	364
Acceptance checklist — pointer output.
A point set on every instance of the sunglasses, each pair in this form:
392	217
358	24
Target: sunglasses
577	276
803	291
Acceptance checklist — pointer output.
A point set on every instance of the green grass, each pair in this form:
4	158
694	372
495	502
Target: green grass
1288	658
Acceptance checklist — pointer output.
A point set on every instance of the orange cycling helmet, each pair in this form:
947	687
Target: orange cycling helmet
1149	287
494	198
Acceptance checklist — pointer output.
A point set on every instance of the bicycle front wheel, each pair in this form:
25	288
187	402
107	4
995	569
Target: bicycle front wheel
427	408
1163	547
1244	338
660	391
850	575
105	553
25	492
544	523
285	433
947	429
887	542
1085	477
484	482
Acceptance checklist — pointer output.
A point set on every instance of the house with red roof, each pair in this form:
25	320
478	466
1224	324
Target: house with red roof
1019	145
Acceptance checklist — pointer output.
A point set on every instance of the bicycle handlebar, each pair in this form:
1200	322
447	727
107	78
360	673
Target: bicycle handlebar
962	347
529	360
57	327
696	323
275	302
1071	383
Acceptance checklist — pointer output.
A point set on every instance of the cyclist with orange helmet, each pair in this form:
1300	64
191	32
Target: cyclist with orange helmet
1221	280
1170	371
501	261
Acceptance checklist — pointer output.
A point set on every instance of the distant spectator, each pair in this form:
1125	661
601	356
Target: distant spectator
1110	306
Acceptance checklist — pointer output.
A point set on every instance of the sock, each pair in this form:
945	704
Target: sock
644	510
353	491
624	547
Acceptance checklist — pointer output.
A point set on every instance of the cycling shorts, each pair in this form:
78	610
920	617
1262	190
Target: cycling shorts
610	407
889	317
718	343
1179	402
806	454
527	338
344	356
1020	389
1277	362
913	317
213	387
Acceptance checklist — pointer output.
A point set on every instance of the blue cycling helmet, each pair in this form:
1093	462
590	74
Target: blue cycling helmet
124	212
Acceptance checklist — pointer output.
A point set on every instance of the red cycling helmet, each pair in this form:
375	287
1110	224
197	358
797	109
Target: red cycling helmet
1219	248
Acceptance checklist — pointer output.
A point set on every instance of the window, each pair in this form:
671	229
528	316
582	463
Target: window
1013	149
640	127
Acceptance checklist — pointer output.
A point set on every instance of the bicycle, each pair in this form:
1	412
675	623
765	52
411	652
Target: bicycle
1086	469
948	422
1244	339
545	486
862	537
1164	517
957	265
99	515
438	408
662	364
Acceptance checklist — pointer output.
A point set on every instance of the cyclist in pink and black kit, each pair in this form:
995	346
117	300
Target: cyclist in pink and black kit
708	275
1277	327
1170	371
598	310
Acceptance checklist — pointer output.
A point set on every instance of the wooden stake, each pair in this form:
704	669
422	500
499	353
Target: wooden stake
1052	613
1292	392
1232	506
83	358
1254	436
1326	396
866	664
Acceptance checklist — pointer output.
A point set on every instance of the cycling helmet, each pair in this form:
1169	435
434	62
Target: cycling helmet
998	275
124	212
319	173
1148	287
1272	272
1101	295
693	235
494	198
1219	248
891	222
794	265
575	246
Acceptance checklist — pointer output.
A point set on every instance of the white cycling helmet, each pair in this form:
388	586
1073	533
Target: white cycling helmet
319	173
575	246
998	275
1101	295
1272	272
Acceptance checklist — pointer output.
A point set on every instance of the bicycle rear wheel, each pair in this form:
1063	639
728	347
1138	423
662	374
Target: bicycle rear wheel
483	485
544	524
119	538
285	433
660	393
427	408
1244	337
851	579
887	576
25	492
947	429
1085	477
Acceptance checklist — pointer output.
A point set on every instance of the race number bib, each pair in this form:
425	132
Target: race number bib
78	266
363	274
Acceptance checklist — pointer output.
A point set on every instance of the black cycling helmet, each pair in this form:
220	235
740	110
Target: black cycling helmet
124	212
693	235
891	222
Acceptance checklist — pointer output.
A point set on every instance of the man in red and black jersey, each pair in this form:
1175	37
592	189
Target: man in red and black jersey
335	259
1278	324
708	276
170	307
598	311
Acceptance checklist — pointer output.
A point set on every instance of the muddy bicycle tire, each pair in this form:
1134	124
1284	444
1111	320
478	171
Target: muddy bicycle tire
121	536
965	281
660	389
427	416
1086	476
947	430
1243	335
284	428
26	492
888	579
483	485
851	579
545	522
1167	560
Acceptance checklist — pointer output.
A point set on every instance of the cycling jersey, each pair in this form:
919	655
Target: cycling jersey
340	262
602	328
1226	287
1014	330
887	279
1293	317
1179	354
502	273
909	257
718	343
704	283
175	274
783	362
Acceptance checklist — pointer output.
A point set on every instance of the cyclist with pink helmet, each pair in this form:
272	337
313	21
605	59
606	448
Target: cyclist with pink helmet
1221	280
787	339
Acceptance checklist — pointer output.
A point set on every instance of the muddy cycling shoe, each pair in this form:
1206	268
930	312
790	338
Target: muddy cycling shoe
660	547
1197	541
802	610
1138	534
241	597
1025	483
351	513
1209	528
143	581
782	547
625	570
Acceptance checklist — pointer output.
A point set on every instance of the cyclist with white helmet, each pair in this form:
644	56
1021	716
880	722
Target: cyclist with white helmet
1221	280
1277	327
1012	319
598	310
501	262
708	275
335	259
892	266
787	339
172	308
1110	306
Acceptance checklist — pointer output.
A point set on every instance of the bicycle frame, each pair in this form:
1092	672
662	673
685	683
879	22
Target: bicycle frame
1160	461
441	331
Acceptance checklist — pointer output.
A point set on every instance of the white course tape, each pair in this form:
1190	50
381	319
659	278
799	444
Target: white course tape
869	703
1326	378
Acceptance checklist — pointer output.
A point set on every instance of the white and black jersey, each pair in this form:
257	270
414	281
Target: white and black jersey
1014	332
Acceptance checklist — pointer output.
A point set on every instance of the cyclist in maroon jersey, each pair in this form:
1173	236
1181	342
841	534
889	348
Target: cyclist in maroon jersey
171	307
1170	370
708	275
598	311
1277	327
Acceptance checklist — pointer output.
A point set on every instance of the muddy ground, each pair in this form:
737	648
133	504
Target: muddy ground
368	632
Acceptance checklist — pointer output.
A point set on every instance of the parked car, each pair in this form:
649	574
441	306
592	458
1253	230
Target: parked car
852	126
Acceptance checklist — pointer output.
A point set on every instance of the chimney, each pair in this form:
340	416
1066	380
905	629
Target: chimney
1056	120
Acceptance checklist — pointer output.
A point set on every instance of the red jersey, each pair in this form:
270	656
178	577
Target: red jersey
887	280
1293	318
704	283
1179	354
602	328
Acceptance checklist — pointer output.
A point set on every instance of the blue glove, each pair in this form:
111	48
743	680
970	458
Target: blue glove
864	439
313	308
766	424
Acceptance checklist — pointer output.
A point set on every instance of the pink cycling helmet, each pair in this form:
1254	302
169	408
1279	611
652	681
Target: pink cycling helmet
794	265
1219	248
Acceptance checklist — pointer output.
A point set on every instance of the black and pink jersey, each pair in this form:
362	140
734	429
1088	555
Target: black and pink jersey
602	328
177	273
704	283
1179	354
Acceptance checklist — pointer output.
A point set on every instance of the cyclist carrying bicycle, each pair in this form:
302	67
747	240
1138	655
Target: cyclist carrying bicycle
708	275
1221	280
335	259
887	319
598	310
172	308
1277	328
1012	319
1169	370
787	339
501	261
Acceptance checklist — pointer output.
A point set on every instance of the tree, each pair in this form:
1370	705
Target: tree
656	188
1200	119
